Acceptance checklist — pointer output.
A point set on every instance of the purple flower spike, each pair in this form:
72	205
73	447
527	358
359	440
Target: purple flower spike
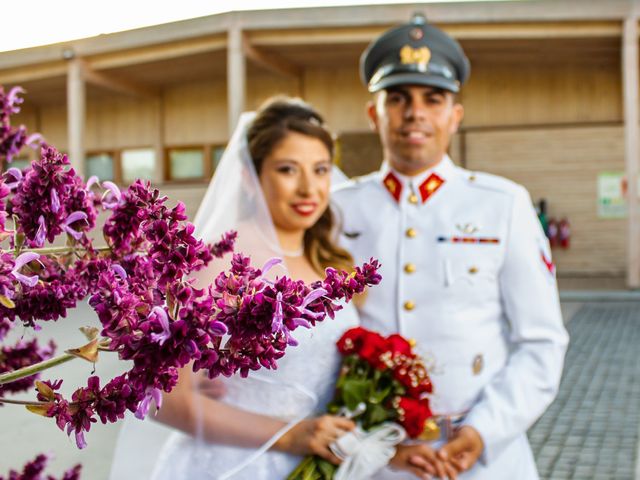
159	314
21	261
55	201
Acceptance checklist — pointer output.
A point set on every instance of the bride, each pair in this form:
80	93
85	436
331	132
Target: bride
272	186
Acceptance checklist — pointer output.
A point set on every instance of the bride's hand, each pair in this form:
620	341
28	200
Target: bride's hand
313	436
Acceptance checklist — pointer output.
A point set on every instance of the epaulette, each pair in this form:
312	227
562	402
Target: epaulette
355	182
490	182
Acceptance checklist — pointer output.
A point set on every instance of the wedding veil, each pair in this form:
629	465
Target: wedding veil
233	201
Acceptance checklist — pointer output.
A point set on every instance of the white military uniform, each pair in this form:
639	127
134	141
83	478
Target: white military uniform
466	272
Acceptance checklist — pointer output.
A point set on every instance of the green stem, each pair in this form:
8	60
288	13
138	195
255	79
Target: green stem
21	402
54	250
27	371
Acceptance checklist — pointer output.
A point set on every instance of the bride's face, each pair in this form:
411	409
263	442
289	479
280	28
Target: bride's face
295	178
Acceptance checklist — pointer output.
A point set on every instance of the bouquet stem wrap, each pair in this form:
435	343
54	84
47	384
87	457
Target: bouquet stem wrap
364	453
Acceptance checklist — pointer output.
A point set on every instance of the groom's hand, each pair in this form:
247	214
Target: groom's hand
464	449
421	460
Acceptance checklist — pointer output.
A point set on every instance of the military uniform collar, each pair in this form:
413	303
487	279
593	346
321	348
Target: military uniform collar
417	189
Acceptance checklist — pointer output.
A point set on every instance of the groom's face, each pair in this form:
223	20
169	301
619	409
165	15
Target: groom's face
415	124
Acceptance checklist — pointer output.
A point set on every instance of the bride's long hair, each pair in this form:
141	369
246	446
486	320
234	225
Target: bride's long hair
277	117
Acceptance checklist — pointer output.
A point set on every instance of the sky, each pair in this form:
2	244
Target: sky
42	22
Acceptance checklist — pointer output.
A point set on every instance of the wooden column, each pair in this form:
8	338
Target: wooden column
76	113
630	67
236	76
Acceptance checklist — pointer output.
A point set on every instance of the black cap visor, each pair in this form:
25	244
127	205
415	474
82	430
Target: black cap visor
415	78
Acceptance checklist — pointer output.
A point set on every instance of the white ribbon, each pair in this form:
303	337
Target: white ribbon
364	453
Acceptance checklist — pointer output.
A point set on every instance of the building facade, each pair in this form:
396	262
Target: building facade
552	102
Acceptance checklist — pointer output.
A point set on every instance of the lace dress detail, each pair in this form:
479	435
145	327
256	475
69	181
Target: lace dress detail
302	386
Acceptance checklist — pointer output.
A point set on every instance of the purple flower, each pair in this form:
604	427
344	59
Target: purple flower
21	261
47	198
74	217
160	316
151	394
225	245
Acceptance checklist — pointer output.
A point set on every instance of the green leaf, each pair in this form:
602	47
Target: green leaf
378	396
355	391
377	414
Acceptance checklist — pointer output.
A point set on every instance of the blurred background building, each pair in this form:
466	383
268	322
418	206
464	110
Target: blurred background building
552	103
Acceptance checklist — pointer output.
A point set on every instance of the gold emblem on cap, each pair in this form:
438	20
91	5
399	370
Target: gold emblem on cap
478	364
411	56
416	33
431	431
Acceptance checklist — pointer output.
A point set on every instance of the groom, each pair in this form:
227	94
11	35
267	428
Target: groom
466	268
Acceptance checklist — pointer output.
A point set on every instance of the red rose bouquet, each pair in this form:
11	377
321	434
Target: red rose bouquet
381	380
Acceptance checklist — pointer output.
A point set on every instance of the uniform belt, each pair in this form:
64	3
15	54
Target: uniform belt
442	427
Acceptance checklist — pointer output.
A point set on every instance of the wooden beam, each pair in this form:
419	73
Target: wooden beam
236	76
270	61
127	87
33	72
630	103
76	114
164	51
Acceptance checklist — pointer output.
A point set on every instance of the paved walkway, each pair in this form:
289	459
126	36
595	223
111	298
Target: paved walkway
591	430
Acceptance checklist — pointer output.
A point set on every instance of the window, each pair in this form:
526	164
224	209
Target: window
100	165
138	163
216	156
186	163
19	161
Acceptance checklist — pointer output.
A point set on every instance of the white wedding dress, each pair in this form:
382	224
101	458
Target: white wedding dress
302	386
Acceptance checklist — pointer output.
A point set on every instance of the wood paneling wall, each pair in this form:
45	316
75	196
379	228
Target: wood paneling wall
562	166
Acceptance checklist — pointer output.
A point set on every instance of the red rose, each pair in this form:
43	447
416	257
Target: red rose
351	341
413	414
413	376
373	346
398	345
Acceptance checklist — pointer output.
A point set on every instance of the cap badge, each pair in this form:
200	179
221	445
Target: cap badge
416	34
415	56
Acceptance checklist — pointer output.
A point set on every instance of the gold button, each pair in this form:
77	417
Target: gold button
478	364
409	268
409	305
472	177
473	270
413	198
411	232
